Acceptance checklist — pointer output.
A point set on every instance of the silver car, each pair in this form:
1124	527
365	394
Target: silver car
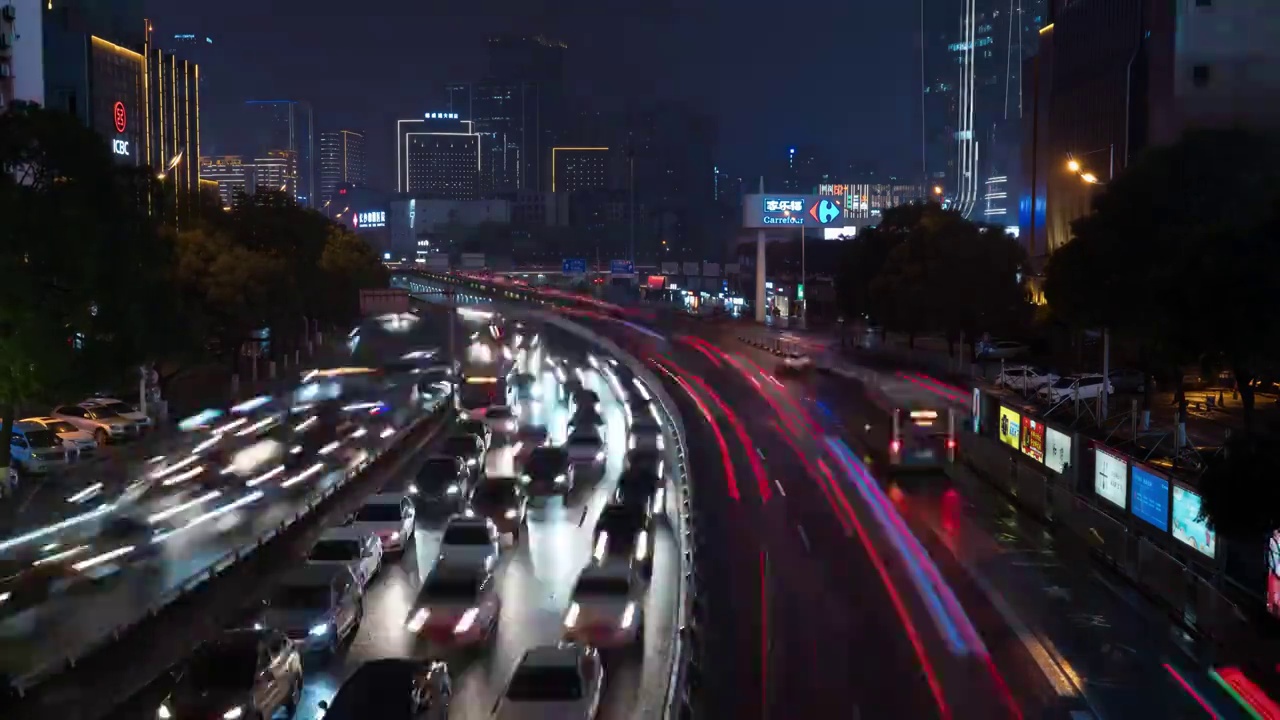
102	422
359	552
607	608
124	410
317	607
562	681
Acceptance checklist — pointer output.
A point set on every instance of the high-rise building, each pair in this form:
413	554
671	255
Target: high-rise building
21	53
284	126
438	155
172	88
234	177
972	104
276	171
341	162
575	169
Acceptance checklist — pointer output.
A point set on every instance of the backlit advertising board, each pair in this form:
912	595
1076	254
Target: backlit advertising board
1057	450
1010	428
1110	478
1033	439
1149	497
1186	528
1273	574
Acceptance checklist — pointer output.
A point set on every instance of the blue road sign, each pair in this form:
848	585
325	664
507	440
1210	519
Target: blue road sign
574	266
622	267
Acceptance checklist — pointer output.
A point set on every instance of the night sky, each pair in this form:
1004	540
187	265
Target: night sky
841	75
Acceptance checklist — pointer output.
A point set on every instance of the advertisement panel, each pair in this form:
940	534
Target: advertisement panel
1186	528
1033	439
1111	478
1010	428
655	282
691	268
775	211
1273	574
1057	450
670	268
1149	497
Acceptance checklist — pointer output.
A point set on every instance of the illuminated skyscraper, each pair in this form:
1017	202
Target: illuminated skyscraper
341	161
438	156
284	126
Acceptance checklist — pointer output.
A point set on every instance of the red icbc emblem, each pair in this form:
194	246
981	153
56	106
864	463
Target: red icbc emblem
122	120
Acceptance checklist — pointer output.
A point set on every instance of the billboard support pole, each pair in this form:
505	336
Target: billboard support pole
804	297
760	267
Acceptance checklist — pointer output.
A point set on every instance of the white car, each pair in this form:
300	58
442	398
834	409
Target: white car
105	424
360	552
554	681
71	436
586	448
36	450
607	608
796	363
502	419
1025	378
389	517
1086	387
456	606
124	410
469	541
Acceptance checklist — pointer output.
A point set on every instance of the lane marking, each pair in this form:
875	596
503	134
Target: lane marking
804	538
779	485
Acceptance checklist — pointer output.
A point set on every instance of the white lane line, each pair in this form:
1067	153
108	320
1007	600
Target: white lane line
778	484
804	538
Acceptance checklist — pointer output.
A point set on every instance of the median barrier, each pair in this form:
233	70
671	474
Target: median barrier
59	689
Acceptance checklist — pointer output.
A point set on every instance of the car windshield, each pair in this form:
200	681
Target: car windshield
42	438
103	411
379	512
227	665
335	550
496	493
598	585
470	534
460	445
618	520
302	597
61	427
545	684
584	438
452	588
544	462
117	407
440	470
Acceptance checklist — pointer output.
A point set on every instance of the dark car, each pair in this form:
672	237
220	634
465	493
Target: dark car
467	446
254	672
583	400
441	484
623	535
502	501
475	427
547	472
586	417
394	689
642	490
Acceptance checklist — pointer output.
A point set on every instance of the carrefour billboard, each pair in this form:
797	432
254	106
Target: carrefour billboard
771	211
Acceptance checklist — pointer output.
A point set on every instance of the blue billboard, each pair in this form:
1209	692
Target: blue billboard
574	266
1149	497
622	267
1188	526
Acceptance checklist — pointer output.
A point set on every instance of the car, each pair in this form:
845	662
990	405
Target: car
584	401
795	363
441	484
501	500
606	609
502	419
246	674
469	541
125	410
393	689
1025	378
642	489
586	449
646	434
622	535
70	435
317	607
587	418
360	552
561	681
475	427
388	516
36	450
470	448
639	406
547	472
1085	387
999	350
103	423
647	459
456	606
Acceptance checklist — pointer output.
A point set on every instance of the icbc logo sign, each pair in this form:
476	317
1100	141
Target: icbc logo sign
121	119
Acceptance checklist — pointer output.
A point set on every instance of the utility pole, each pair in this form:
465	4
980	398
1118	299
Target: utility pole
631	183
760	269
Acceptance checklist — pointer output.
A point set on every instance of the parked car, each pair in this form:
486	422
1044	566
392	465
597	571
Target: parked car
36	450
71	436
1086	387
1025	378
105	424
124	410
1000	350
242	674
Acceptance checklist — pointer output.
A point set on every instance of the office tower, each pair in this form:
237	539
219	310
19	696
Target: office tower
276	171
232	174
576	169
284	126
173	115
438	156
21	53
342	162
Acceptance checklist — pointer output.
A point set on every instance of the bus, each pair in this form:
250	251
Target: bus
477	393
923	426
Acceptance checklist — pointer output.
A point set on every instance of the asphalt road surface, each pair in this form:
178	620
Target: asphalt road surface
535	580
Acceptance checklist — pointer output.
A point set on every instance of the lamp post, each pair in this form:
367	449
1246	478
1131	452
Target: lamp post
1074	166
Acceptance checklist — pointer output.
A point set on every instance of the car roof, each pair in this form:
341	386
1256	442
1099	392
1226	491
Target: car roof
23	426
100	399
309	575
384	499
562	655
343	533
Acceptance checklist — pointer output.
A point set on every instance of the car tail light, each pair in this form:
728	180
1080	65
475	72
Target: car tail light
951	443
895	446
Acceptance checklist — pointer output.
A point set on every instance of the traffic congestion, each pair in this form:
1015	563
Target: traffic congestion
520	565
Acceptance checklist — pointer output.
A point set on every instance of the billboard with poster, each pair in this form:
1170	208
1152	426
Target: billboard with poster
1187	529
1010	428
655	282
1149	497
1111	478
1033	439
1273	574
1057	450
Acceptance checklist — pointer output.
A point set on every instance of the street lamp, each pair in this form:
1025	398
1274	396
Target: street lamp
1089	178
1074	166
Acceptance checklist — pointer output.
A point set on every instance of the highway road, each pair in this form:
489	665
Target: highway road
535	580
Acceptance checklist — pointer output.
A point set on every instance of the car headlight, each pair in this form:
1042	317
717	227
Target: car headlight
453	490
233	714
628	616
319	630
471	462
602	545
418	620
413	489
467	620
163	712
510	514
642	545
562	479
571	617
526	479
259	626
659	500
393	536
600	456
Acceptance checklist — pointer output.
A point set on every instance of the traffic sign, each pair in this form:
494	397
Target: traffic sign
574	266
622	267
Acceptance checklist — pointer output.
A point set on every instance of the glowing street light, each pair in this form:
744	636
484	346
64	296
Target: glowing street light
1089	178
937	189
1073	166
